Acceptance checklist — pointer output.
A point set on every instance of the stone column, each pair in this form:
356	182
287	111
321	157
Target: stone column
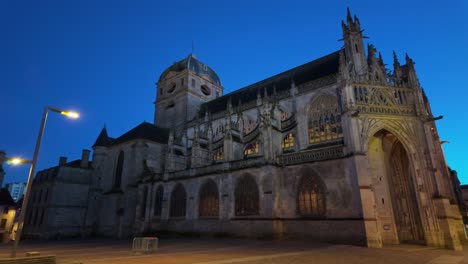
373	235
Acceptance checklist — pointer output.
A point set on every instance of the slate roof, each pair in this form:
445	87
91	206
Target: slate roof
103	139
313	70
5	197
76	164
147	131
193	64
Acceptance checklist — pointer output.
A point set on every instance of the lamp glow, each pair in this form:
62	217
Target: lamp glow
17	161
70	114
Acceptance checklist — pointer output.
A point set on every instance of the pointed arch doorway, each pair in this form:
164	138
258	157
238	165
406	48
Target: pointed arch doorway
393	179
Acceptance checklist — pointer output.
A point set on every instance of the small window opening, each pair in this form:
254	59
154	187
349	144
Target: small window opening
205	90
172	88
193	82
355	46
170	105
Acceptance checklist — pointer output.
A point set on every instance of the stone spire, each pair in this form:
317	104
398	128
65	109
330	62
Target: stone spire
411	72
354	45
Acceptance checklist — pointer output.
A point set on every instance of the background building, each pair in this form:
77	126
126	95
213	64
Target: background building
16	189
8	214
58	201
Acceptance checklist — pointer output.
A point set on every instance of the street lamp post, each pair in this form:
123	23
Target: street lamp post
31	172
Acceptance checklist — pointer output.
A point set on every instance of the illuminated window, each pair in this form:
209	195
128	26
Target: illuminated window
311	197
246	197
251	148
158	199
284	116
209	199
118	171
218	154
178	201
288	141
324	119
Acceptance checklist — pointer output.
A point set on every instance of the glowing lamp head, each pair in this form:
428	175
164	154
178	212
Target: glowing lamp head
16	161
70	114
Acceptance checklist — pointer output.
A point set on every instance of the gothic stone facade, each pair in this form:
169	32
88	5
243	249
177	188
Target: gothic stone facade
338	149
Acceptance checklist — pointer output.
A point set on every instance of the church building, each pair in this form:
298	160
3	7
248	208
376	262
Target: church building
339	149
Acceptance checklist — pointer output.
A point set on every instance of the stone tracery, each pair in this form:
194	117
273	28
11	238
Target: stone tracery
324	119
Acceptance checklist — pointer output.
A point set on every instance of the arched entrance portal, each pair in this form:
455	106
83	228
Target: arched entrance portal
392	177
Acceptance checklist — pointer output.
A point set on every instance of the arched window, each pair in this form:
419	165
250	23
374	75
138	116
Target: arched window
246	197
251	148
288	141
144	197
118	171
310	197
29	217
36	211
39	200
209	199
158	199
218	154
178	201
324	119
41	220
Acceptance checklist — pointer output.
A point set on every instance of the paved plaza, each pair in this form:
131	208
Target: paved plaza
224	251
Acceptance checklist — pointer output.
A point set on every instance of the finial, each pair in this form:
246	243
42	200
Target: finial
409	61
356	19
348	16
395	58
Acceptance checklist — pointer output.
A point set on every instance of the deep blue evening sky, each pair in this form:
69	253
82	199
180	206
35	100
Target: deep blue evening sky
102	58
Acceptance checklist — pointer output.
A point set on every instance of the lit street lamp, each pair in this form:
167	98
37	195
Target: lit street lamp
17	161
69	114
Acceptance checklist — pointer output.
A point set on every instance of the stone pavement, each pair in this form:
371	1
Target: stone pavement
224	251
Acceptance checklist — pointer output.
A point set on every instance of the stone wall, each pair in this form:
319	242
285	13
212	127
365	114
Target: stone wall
278	215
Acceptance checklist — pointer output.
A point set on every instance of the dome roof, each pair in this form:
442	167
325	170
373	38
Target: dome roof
193	64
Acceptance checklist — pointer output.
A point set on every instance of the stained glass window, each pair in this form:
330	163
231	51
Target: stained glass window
144	196
251	148
311	197
178	201
218	154
324	119
118	171
158	199
288	141
209	199
246	197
